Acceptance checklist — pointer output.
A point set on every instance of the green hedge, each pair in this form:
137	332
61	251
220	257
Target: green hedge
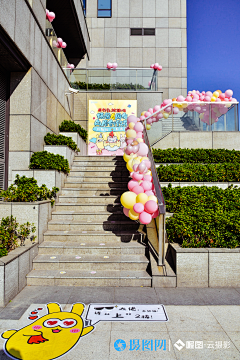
27	190
12	234
52	139
94	86
195	155
70	126
203	216
198	172
46	160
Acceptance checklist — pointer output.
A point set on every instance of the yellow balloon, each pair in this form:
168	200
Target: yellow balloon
216	94
219	91
135	161
213	98
142	114
131	134
128	157
184	105
228	105
131	125
141	198
149	172
165	115
148	126
144	158
130	165
140	140
133	215
153	197
128	199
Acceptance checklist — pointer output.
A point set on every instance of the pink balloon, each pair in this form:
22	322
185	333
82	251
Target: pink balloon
138	208
222	96
160	116
168	109
147	114
109	65
142	167
175	110
152	66
228	93
64	45
149	192
147	163
234	100
150	110
138	127
129	149
209	93
135	148
126	211
188	99
132	184
145	218
156	108
180	98
143	149
149	121
135	167
155	214
136	176
159	68
139	135
146	185
51	16
142	118
60	41
156	65
138	189
207	98
147	178
129	142
167	101
132	118
114	65
150	206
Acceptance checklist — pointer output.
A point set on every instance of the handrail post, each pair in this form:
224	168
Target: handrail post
161	240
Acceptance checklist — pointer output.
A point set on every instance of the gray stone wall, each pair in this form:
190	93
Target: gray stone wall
38	103
111	40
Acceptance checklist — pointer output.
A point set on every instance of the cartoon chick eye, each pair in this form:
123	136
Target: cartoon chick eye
66	323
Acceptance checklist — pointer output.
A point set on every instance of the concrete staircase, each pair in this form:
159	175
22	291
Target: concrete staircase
89	241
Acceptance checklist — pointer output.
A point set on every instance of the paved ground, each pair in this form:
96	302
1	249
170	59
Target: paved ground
206	321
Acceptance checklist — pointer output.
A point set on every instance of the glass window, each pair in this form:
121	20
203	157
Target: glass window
149	31
136	32
84	6
104	8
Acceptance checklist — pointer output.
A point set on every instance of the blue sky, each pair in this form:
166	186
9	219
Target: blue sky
213	30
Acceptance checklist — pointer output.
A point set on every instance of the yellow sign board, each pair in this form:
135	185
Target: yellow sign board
107	121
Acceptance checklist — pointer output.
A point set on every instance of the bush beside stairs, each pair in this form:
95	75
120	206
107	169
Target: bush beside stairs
89	241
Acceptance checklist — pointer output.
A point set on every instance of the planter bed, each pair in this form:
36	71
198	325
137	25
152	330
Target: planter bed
78	140
13	270
38	212
62	150
221	185
205	267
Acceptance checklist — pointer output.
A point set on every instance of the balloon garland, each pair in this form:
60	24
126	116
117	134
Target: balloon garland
140	202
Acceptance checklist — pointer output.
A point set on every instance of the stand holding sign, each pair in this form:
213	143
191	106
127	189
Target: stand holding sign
106	126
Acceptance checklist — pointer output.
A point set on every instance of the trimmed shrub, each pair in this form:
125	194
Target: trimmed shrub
203	216
204	156
70	126
46	160
13	235
198	172
27	190
52	139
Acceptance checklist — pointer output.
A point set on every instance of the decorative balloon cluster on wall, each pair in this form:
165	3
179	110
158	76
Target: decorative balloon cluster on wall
220	102
156	66
50	16
140	202
59	43
70	66
111	66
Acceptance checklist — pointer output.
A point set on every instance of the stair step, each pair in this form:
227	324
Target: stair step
92	247
85	278
92	225
75	216
90	167
89	199
88	207
84	237
106	179
100	174
96	185
91	192
99	163
99	158
90	262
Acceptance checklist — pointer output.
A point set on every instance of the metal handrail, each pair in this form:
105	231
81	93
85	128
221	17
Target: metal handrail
118	68
161	203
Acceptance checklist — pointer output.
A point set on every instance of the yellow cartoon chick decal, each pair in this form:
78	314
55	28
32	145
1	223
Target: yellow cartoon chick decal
48	337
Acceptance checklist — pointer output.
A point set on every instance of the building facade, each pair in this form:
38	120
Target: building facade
137	33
